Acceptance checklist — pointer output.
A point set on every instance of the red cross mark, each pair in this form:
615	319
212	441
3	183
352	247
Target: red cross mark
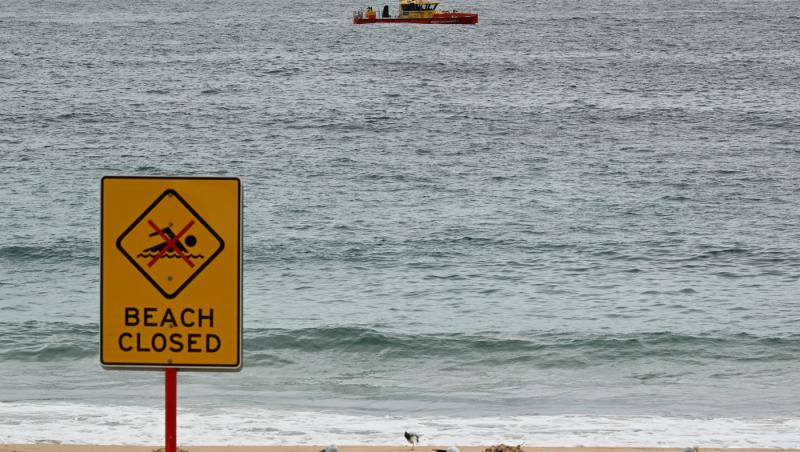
170	244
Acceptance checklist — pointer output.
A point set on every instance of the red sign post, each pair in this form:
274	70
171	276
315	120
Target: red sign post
171	401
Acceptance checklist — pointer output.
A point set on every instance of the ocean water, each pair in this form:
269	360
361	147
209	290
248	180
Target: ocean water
575	223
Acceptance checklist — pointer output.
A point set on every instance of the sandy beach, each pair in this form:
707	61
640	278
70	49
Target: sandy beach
343	448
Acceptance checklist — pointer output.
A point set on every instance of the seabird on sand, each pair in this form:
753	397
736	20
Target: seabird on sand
331	448
691	449
412	438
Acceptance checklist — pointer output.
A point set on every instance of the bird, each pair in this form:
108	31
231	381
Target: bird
331	448
412	438
691	449
449	449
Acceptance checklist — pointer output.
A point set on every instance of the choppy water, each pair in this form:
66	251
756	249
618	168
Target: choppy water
574	223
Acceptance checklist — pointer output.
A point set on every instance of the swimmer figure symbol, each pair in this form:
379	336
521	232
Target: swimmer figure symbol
170	260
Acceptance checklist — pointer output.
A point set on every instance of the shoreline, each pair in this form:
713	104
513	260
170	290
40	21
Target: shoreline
52	447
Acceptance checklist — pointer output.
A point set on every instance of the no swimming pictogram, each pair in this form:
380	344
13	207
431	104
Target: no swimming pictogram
170	260
171	243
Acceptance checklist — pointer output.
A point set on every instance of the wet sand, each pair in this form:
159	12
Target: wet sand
342	448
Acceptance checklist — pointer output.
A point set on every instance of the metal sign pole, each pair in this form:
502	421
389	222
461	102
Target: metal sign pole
171	399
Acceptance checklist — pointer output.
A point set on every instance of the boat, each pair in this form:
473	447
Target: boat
415	12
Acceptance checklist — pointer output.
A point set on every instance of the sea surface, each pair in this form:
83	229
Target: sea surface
576	223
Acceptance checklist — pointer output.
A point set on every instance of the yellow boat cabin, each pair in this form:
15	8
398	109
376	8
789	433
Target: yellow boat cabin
417	9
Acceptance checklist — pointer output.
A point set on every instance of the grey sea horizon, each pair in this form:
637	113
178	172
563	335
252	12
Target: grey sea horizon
577	219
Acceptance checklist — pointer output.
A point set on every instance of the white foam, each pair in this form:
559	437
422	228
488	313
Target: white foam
88	424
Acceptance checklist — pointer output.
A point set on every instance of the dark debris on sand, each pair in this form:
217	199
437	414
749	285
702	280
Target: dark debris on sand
504	448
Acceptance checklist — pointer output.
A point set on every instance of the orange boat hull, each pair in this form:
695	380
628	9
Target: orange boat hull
438	18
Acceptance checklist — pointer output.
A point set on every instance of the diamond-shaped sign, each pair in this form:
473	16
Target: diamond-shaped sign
170	244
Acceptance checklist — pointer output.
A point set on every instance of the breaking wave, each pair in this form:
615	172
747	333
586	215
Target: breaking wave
53	341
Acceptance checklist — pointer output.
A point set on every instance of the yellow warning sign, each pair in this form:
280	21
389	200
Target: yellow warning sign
171	273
